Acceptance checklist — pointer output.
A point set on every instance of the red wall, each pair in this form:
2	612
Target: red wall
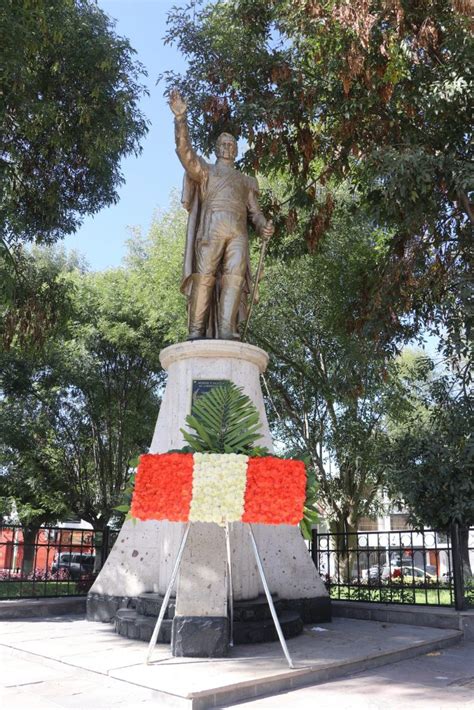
48	542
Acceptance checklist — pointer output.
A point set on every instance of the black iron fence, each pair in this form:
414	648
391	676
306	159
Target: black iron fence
398	566
50	561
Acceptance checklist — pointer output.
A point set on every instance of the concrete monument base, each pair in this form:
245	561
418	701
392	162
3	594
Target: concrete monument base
144	553
200	636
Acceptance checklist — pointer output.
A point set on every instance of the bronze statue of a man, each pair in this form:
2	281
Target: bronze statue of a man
219	199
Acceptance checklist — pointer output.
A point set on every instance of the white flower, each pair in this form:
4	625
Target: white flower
219	482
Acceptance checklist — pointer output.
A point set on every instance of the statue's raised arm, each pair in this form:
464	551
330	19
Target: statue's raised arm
190	161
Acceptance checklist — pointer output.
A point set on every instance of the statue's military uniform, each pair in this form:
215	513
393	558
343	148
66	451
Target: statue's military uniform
219	199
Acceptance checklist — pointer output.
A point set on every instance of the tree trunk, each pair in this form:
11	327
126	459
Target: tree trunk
29	550
461	569
464	550
101	541
345	543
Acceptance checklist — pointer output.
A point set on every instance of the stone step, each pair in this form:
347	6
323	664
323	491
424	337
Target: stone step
132	625
256	609
149	604
136	626
264	630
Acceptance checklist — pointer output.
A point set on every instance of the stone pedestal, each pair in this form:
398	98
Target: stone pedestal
143	556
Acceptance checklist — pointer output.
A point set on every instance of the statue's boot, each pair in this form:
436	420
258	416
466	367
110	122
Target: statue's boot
229	302
199	304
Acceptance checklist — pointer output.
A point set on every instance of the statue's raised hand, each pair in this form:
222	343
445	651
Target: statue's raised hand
177	103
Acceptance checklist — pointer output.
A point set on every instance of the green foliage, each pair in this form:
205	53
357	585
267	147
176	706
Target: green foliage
374	94
310	518
225	421
11	589
92	394
35	295
310	514
31	481
124	507
391	593
328	383
69	92
431	465
155	264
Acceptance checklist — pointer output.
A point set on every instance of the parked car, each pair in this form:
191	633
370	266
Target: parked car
77	563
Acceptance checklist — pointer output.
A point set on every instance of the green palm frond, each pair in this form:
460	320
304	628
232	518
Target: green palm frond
225	421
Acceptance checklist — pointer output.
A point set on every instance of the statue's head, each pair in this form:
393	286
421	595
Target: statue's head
226	146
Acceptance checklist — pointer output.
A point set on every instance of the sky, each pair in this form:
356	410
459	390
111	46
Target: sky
149	178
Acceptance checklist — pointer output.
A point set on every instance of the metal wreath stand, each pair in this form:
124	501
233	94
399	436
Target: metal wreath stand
174	573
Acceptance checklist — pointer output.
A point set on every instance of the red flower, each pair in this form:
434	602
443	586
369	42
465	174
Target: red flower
163	487
275	492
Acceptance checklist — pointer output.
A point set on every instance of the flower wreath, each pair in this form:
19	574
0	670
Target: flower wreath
219	488
222	476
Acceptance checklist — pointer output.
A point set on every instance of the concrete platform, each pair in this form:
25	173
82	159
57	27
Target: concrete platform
438	617
69	646
43	607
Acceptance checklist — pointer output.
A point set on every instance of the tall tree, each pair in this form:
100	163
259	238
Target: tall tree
95	384
32	484
378	91
327	389
69	89
431	466
69	112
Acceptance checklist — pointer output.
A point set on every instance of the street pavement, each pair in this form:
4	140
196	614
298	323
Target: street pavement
66	664
441	680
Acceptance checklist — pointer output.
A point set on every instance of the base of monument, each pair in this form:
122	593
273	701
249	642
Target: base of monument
104	607
206	637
